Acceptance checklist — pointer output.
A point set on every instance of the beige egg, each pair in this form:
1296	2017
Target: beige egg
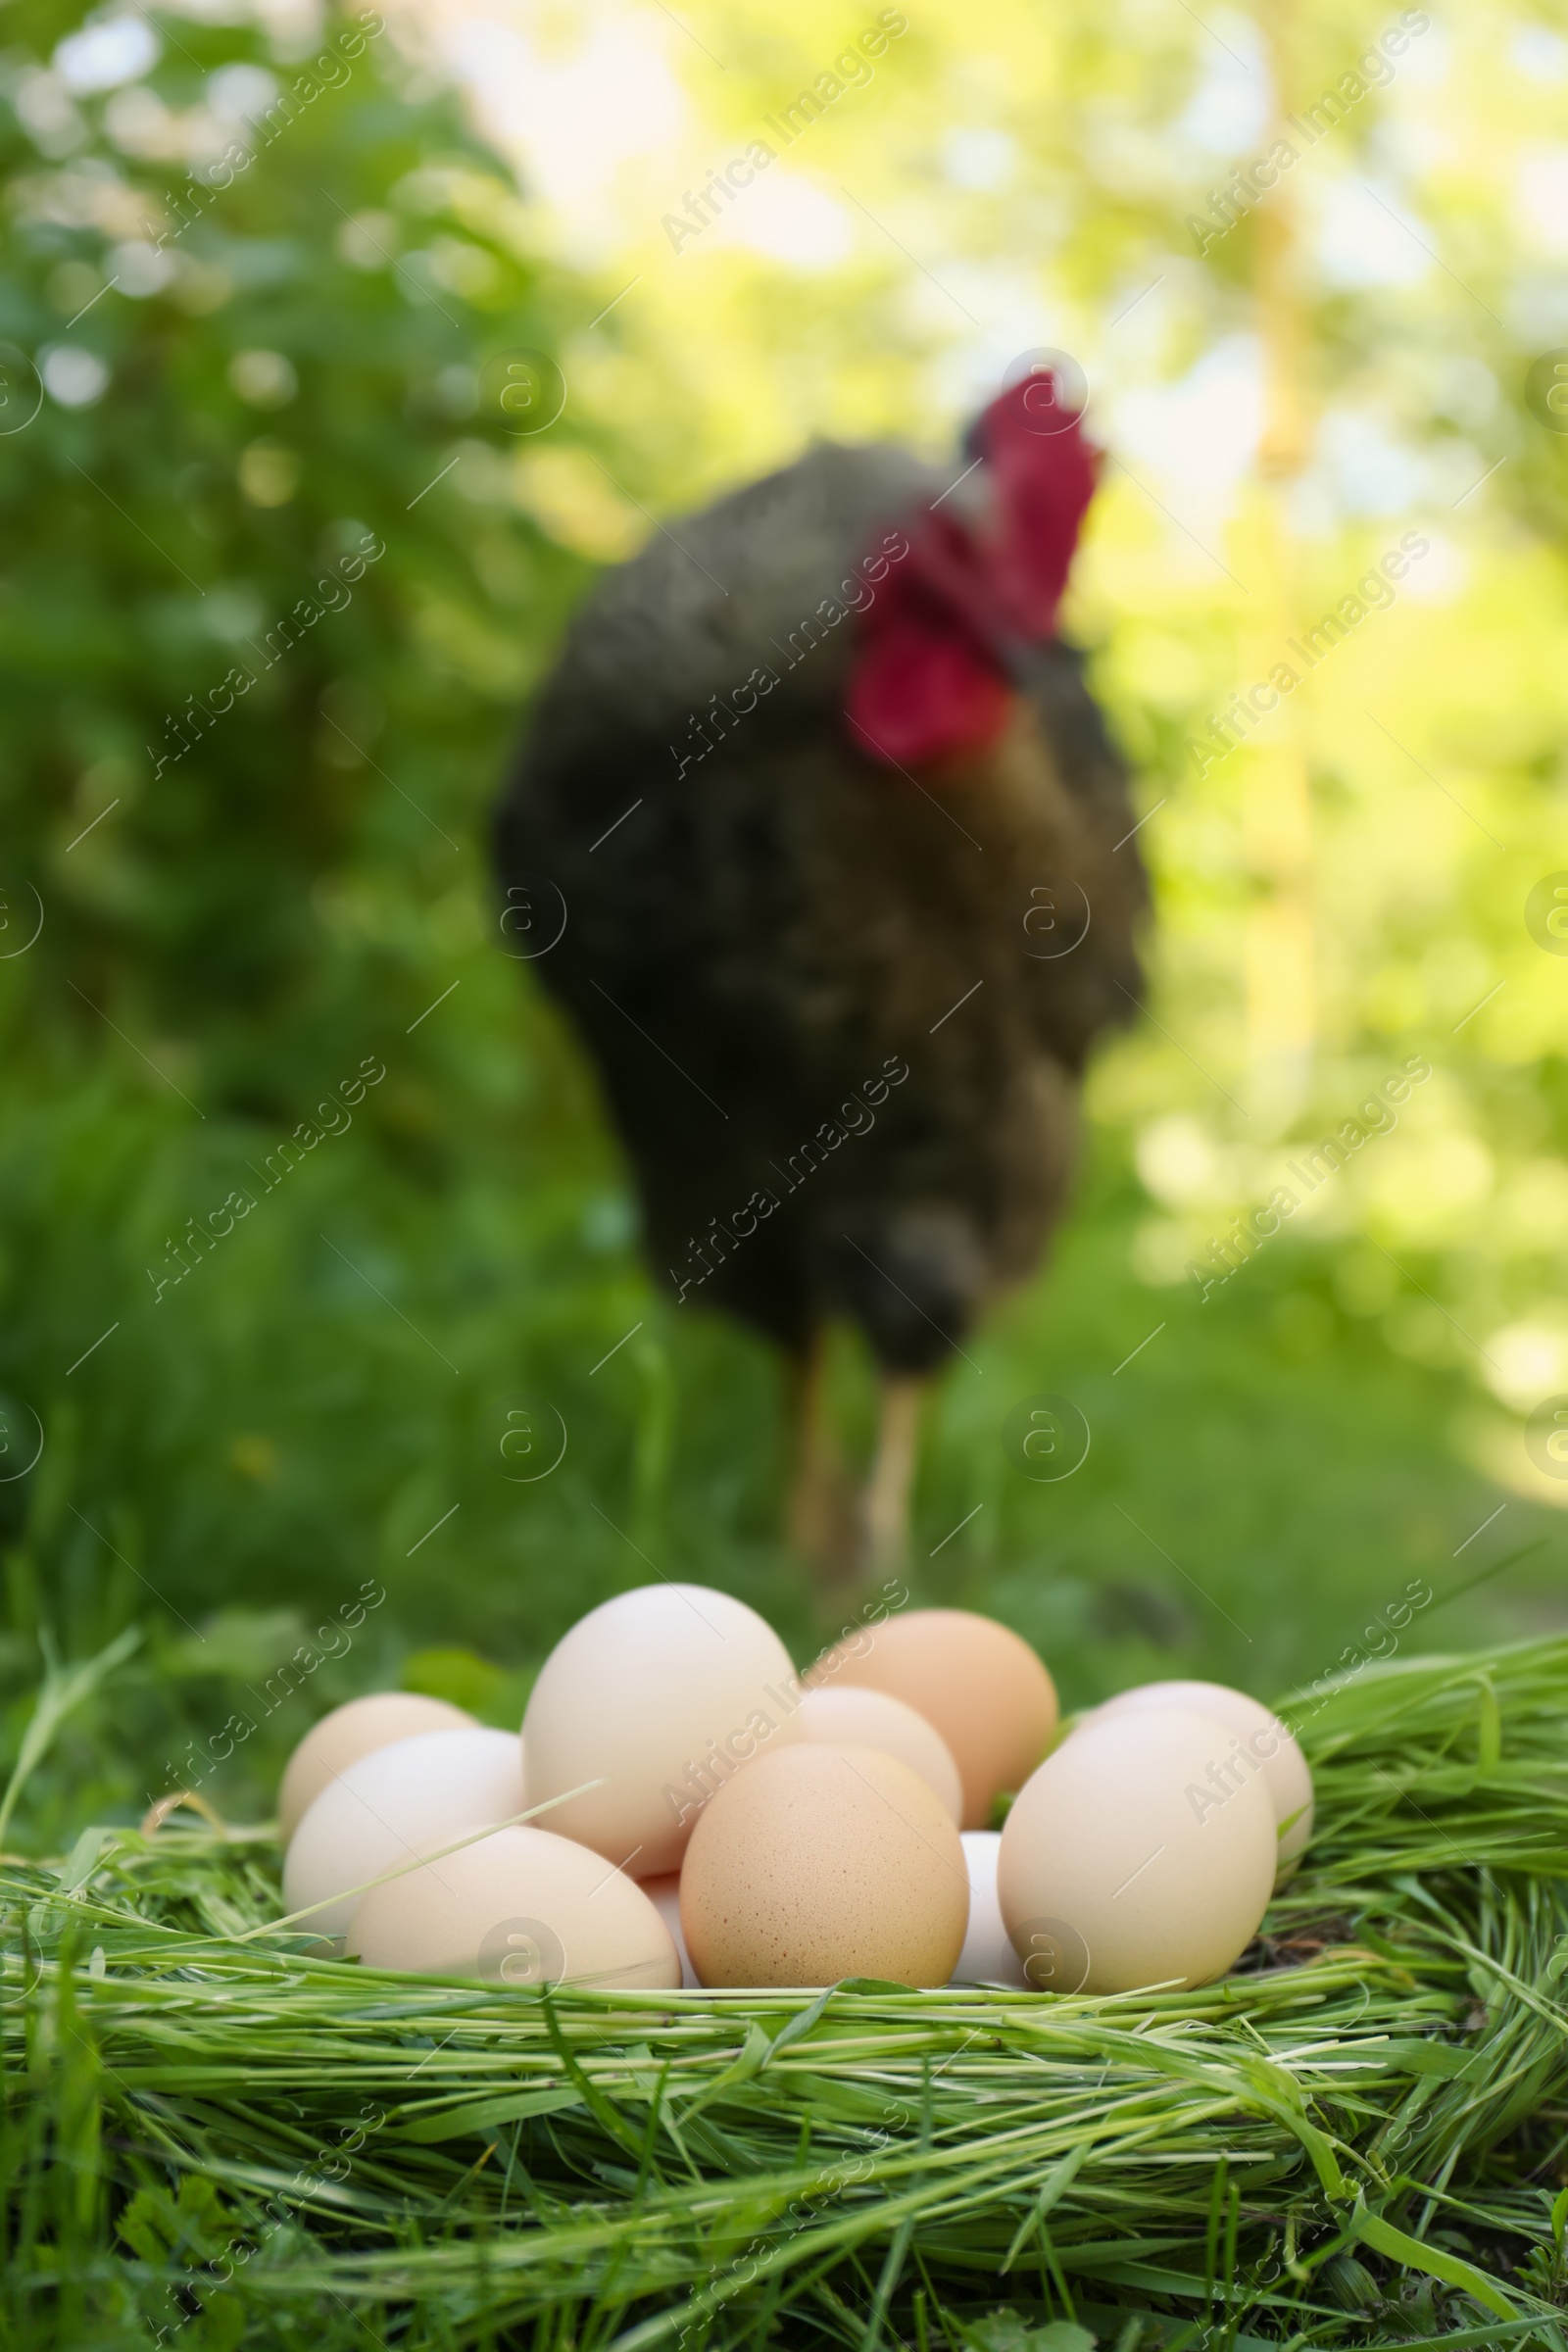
988	1956
660	1696
819	1863
392	1806
353	1731
852	1717
1261	1743
523	1907
1121	1868
982	1688
664	1895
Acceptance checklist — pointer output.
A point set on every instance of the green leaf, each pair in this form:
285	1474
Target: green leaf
1006	2331
1416	2255
465	1680
753	2055
63	1690
485	2115
1432	2057
1489	1726
795	2028
1053	2186
82	1859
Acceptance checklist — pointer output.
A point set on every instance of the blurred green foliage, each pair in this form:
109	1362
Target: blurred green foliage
260	362
247	909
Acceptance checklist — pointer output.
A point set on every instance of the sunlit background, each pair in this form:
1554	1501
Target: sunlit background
219	914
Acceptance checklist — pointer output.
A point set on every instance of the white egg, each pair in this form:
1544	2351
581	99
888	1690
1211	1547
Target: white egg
357	1728
1122	1867
391	1806
852	1715
988	1956
522	1907
1261	1743
665	1895
659	1695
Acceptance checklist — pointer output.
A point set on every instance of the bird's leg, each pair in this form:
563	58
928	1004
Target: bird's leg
886	1511
821	1517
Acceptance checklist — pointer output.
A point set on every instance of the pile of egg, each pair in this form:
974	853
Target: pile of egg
700	1815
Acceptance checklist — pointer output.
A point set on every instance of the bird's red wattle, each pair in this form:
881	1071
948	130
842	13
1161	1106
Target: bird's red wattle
931	674
922	691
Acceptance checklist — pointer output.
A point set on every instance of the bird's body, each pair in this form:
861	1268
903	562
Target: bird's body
840	1006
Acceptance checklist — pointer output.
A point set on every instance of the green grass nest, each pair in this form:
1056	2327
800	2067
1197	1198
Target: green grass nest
212	2137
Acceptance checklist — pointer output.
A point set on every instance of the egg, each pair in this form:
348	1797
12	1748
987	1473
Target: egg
860	1718
523	1907
1121	1866
665	1895
1261	1743
392	1805
660	1696
819	1863
978	1684
353	1731
988	1956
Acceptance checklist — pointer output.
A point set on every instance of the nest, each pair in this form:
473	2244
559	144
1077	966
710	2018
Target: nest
1357	2138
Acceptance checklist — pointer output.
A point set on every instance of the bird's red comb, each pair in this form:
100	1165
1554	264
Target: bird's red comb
931	675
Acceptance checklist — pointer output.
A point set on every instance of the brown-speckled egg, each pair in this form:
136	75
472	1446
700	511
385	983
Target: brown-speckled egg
819	1863
350	1731
980	1686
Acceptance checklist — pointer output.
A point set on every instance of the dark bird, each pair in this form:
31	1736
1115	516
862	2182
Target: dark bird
844	855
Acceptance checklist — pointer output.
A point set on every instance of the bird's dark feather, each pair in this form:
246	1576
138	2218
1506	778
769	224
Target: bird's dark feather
785	920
